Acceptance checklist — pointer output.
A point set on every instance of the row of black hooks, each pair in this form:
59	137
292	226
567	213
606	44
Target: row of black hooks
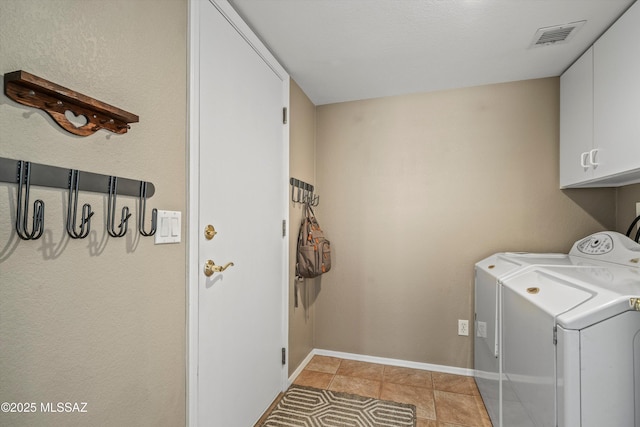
78	223
302	192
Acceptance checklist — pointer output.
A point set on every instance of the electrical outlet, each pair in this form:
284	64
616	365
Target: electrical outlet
463	327
482	330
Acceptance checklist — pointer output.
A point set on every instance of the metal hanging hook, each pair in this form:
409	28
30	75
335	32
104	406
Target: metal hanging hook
294	186
142	210
72	209
111	211
310	194
22	213
299	194
293	189
305	194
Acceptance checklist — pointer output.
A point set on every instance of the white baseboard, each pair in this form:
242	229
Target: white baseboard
380	360
301	366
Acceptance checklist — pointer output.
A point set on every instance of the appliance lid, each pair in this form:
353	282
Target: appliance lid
580	296
551	294
503	264
614	287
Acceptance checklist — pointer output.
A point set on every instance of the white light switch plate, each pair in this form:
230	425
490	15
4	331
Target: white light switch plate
168	227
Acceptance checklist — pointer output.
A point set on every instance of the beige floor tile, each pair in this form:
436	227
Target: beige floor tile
354	368
419	396
486	421
454	383
324	364
353	385
475	388
314	379
407	376
461	409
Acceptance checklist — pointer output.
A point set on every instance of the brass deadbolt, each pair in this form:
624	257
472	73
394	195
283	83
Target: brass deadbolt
209	232
533	290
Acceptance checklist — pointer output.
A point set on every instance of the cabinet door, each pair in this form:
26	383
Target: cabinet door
576	121
617	96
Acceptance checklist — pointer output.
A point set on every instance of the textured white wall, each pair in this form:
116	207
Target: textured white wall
99	320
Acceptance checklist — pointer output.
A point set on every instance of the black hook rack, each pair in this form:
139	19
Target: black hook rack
305	193
26	174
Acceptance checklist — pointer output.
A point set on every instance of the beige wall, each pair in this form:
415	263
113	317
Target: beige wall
415	189
302	141
627	197
100	320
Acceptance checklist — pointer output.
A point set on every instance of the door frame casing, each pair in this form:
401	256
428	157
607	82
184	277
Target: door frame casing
193	231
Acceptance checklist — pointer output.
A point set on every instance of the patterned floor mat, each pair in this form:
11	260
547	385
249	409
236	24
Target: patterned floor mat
310	407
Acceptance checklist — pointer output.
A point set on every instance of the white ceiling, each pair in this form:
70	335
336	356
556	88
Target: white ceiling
344	50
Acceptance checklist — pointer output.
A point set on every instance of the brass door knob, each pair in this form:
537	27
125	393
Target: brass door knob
210	267
209	232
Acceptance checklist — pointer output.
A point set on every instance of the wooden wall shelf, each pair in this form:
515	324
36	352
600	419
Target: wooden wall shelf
56	100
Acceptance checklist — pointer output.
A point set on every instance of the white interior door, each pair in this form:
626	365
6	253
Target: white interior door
242	193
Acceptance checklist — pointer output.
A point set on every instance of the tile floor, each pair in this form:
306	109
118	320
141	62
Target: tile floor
442	400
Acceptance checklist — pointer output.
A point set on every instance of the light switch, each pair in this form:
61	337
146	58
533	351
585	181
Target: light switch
170	226
164	227
175	227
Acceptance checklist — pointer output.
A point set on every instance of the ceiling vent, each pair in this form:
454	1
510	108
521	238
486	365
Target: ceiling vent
557	34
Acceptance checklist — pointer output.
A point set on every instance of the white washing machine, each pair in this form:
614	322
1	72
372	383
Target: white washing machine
488	273
569	339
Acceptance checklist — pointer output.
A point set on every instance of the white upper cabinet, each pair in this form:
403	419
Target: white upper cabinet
600	110
576	124
616	95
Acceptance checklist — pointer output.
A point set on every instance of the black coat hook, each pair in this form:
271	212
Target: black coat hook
111	211
22	213
142	210
294	185
72	209
299	192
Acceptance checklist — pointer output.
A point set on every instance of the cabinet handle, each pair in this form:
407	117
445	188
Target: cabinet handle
583	159
592	157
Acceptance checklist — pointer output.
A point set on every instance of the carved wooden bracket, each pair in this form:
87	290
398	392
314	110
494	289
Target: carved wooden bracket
58	101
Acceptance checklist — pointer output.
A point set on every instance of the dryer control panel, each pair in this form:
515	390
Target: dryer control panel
596	244
608	246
